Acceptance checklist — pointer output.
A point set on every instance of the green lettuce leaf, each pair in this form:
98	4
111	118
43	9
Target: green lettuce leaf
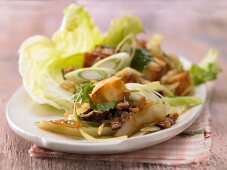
41	59
121	28
77	33
207	70
184	100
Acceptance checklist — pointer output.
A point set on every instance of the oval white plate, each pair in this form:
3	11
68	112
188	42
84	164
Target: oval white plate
22	113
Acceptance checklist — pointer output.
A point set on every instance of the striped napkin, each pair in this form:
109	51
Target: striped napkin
191	146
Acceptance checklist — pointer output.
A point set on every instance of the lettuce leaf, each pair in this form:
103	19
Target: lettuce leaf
184	100
121	28
77	33
41	58
207	70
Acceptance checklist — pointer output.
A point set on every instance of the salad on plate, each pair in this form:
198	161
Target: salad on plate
110	85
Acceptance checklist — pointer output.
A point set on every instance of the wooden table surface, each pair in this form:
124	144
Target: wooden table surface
190	29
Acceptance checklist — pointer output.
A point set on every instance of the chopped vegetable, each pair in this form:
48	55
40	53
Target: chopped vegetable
129	75
138	120
87	74
128	45
140	59
100	129
90	137
139	134
150	129
192	133
148	90
74	131
184	100
207	70
178	109
115	62
155	85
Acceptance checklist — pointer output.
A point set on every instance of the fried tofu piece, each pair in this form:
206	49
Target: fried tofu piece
130	75
184	80
110	89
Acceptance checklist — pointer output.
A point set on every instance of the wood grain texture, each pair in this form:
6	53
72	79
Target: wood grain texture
190	29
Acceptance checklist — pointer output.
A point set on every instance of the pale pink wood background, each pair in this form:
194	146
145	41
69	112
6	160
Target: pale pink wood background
190	29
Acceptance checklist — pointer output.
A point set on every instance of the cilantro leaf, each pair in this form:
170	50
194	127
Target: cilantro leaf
140	59
82	93
82	96
106	106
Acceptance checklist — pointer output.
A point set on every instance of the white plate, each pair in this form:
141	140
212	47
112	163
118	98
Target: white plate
22	113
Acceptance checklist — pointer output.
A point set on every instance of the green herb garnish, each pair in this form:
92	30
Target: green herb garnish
82	93
140	59
82	96
105	106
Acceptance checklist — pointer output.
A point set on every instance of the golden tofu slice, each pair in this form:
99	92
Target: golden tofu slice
110	89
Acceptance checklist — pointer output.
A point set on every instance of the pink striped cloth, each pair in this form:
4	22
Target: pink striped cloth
191	146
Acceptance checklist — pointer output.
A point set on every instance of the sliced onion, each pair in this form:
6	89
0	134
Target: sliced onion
89	137
100	128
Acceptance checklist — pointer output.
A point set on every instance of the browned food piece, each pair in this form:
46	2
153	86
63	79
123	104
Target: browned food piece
123	111
141	43
110	89
163	64
99	53
170	120
153	71
94	115
122	105
134	109
130	75
116	123
156	69
184	80
137	120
